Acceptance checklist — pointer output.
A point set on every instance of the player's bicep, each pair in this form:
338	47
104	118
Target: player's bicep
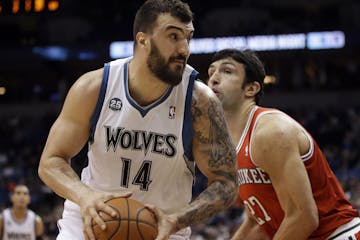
66	138
71	129
212	145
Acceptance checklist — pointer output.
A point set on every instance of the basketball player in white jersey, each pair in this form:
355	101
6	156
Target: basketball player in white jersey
19	222
147	122
286	184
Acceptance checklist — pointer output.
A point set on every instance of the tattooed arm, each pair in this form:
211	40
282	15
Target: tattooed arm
215	156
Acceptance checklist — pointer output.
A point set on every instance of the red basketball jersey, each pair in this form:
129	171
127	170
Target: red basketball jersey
258	194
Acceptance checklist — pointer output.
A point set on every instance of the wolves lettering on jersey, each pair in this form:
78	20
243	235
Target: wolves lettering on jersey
18	236
140	140
14	230
252	176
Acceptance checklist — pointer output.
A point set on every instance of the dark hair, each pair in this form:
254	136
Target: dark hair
146	16
12	191
254	68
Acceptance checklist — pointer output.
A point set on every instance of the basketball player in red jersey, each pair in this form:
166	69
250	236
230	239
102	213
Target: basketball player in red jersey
286	184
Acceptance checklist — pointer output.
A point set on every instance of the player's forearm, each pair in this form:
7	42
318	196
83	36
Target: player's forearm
56	173
243	231
215	198
294	233
250	232
239	234
297	227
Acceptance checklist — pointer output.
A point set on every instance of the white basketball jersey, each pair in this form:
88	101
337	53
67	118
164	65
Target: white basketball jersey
145	150
13	230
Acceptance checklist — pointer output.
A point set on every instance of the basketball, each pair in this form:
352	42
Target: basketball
134	222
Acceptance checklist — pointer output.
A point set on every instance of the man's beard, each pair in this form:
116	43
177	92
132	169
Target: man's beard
162	69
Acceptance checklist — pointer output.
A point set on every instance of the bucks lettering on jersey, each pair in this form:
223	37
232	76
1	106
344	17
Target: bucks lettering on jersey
145	150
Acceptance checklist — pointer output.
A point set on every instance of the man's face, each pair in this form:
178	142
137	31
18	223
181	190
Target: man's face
169	50
20	197
162	68
226	79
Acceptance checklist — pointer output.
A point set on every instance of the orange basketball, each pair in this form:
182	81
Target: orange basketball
134	222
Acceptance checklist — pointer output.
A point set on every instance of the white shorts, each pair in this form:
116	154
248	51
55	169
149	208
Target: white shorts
71	225
347	231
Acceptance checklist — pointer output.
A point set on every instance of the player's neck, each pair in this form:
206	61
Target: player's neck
237	119
18	213
144	87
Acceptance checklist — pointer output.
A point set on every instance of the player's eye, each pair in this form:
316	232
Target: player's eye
173	36
227	71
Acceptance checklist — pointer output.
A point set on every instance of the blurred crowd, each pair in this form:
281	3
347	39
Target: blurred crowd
337	131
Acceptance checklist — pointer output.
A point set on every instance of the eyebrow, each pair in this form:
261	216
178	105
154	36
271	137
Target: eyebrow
178	28
223	63
229	63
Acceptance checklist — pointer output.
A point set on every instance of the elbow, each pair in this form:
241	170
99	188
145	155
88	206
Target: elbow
311	222
41	171
235	189
314	221
223	192
313	216
232	194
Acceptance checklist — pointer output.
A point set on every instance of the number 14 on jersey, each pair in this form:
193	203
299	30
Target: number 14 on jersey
142	177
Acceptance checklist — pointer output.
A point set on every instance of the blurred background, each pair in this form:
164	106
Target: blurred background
310	50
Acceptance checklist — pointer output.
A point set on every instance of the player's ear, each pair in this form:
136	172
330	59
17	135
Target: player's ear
252	88
142	39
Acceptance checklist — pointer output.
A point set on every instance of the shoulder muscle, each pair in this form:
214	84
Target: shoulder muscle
84	92
274	138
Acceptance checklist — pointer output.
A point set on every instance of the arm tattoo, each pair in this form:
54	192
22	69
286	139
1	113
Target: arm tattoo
222	148
212	132
203	209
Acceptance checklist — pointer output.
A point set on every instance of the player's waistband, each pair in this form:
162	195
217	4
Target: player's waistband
345	229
